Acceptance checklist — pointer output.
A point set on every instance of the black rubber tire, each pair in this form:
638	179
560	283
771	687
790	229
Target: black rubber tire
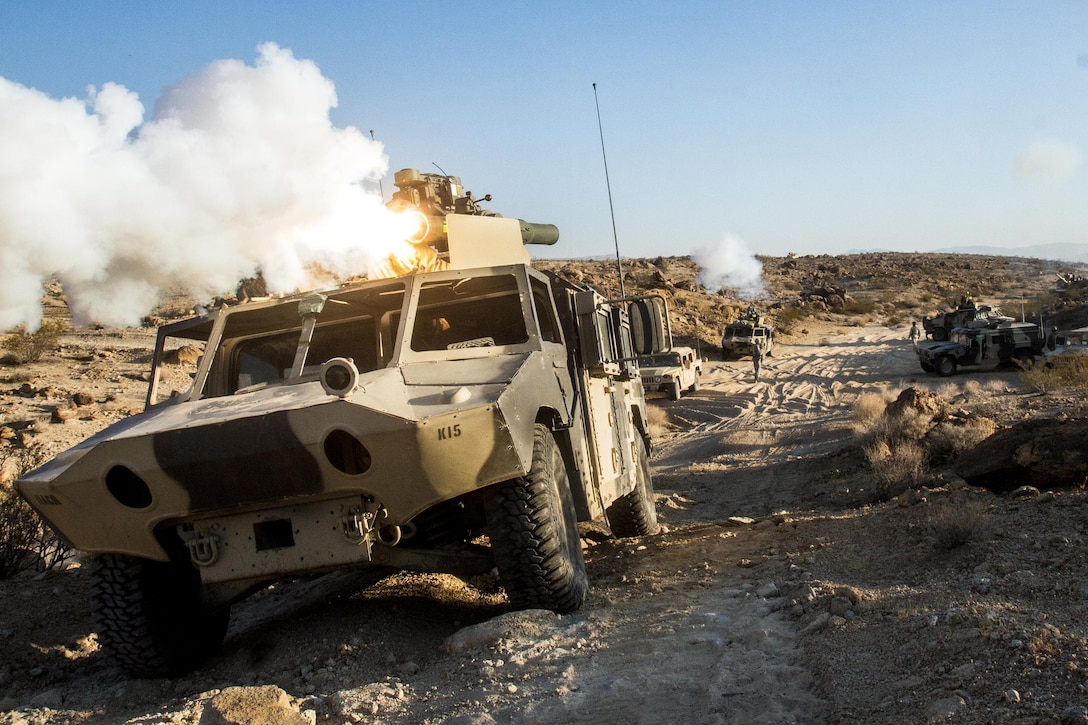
695	384
674	390
533	529
945	366
635	514
725	355
150	618
939	334
927	367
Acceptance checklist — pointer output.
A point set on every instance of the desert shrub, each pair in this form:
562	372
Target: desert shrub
869	407
657	420
22	346
789	319
953	526
26	542
898	464
1069	374
859	307
946	441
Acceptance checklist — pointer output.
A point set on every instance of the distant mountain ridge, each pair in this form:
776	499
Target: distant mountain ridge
1066	252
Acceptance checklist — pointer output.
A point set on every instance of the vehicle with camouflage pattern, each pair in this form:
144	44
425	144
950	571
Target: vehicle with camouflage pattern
967	314
1000	344
461	415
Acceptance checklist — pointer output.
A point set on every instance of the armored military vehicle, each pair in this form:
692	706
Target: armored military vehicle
748	329
966	314
671	372
457	420
1000	344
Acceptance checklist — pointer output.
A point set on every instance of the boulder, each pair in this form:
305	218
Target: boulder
923	401
1041	453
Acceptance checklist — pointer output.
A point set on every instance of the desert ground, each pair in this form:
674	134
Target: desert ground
790	583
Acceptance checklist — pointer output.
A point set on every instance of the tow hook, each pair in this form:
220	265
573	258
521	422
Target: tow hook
203	545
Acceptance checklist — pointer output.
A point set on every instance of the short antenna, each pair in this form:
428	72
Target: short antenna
608	184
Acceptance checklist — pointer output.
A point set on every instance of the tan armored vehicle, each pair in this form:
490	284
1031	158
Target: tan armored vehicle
750	328
458	421
671	372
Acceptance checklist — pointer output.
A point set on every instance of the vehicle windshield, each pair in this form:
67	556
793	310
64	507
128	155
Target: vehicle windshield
466	313
664	360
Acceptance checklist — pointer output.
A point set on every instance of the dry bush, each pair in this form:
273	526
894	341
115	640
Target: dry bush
946	441
789	319
1070	374
897	465
953	526
971	388
657	420
910	425
868	411
868	407
24	347
26	542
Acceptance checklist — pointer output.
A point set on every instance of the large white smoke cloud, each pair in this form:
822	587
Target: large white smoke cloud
239	169
730	264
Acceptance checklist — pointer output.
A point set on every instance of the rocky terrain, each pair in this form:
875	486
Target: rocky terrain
801	577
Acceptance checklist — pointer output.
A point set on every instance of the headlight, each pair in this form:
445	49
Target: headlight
339	376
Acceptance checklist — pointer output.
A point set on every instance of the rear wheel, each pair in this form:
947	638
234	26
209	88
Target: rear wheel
533	529
945	366
635	513
150	617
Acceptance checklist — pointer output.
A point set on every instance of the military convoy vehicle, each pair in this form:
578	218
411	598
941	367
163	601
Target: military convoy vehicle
458	420
671	372
748	329
967	314
1000	344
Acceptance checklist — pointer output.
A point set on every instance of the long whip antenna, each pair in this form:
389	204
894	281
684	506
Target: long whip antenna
608	184
381	187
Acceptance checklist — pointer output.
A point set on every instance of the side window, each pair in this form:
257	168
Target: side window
549	326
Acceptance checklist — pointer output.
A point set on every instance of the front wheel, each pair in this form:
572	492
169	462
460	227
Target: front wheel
927	367
946	365
533	529
674	390
150	617
939	334
695	383
635	514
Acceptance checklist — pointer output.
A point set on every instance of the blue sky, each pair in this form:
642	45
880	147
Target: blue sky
796	126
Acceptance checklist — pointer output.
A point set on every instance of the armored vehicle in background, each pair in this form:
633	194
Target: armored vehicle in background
1069	348
1000	344
748	329
967	314
671	372
455	420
